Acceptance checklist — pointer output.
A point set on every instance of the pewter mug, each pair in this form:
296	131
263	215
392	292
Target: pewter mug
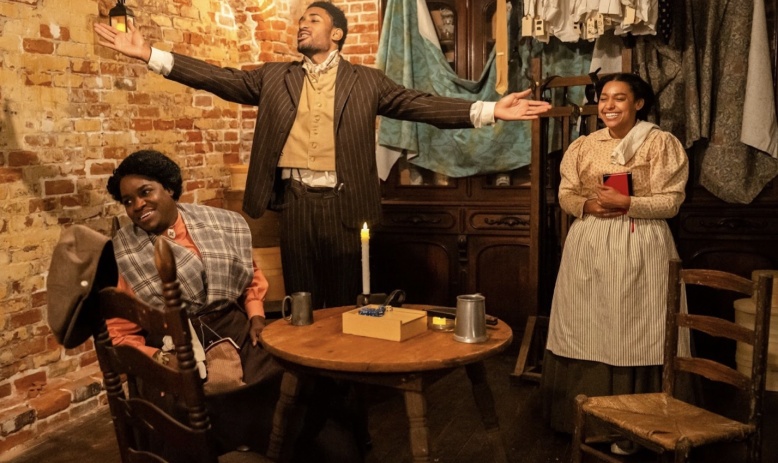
300	309
470	323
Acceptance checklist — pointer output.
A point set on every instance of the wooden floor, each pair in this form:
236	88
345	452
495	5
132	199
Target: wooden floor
456	431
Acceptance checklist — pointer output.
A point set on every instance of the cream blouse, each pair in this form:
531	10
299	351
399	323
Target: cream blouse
659	169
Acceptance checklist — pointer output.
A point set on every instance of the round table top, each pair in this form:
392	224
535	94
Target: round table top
323	345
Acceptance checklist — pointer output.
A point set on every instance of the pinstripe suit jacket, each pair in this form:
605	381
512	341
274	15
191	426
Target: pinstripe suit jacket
361	94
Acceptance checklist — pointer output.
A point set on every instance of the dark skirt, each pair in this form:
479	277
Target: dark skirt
564	378
258	365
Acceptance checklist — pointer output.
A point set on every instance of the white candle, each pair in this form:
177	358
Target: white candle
364	236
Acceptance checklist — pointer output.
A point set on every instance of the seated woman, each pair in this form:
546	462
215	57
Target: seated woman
222	288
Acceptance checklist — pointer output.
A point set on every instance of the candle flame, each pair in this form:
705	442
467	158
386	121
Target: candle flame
364	226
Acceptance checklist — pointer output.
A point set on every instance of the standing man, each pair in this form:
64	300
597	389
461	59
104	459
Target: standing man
313	155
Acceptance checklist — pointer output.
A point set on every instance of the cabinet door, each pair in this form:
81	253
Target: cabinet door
498	267
423	265
450	20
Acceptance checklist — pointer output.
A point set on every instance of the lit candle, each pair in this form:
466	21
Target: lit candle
364	236
121	27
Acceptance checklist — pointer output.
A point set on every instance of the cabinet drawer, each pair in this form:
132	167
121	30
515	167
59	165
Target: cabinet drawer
497	220
431	219
740	225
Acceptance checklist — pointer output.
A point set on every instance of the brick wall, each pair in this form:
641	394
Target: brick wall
70	110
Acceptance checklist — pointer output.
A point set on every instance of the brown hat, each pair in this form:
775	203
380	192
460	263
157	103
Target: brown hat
82	264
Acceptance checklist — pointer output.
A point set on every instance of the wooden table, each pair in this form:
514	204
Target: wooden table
409	366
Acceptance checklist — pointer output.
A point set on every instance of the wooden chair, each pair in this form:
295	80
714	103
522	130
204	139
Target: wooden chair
182	430
661	422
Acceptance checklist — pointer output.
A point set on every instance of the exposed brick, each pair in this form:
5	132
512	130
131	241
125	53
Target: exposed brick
58	187
26	382
70	201
231	158
149	112
15	419
38	46
85	96
163	125
5	390
185	124
203	101
138	98
10	175
47	141
22	158
50	402
193	185
84	67
59	33
87	125
98	110
46	32
193	136
84	408
39	299
125	83
15	440
83	389
28	317
114	152
101	168
88	359
113	69
142	124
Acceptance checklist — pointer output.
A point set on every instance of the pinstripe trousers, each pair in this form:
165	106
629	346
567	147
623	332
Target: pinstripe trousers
319	253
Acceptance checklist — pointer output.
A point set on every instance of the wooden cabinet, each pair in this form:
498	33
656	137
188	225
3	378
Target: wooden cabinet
465	33
440	237
438	250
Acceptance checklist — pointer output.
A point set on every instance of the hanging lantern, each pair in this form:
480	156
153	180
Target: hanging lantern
120	16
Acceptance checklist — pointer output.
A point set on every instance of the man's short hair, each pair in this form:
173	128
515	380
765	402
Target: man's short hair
338	18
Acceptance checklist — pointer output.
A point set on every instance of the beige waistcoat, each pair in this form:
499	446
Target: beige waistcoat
311	142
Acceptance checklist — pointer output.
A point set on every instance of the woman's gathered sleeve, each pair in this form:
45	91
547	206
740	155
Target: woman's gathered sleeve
571	197
125	332
255	293
668	175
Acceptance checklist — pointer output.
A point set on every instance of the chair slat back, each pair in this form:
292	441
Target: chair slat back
179	421
757	336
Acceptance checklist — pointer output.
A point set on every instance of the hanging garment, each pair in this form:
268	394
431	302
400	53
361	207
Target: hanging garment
759	128
411	60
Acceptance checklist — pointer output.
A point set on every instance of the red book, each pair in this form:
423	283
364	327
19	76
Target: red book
621	181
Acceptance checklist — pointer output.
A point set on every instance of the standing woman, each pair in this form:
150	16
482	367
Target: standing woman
606	331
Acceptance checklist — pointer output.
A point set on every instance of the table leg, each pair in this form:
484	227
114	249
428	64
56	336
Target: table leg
484	400
290	388
416	408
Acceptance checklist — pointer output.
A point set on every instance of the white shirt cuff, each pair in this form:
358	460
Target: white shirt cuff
161	62
481	113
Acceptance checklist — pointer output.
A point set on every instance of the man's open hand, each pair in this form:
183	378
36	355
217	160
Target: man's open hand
130	43
516	107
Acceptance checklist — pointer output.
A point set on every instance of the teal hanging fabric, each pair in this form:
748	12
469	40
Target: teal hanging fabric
416	62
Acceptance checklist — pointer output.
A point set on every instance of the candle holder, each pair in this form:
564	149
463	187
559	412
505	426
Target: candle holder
366	299
395	298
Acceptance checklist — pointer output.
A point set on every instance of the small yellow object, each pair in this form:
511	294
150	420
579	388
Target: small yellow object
439	320
121	27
